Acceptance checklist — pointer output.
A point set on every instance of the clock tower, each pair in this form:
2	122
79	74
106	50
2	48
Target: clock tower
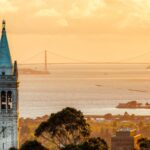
8	96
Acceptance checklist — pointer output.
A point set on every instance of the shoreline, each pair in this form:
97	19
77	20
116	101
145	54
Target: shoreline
136	112
89	115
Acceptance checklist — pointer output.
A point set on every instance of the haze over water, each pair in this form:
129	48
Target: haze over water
95	89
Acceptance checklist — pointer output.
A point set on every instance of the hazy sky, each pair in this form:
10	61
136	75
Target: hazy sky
84	30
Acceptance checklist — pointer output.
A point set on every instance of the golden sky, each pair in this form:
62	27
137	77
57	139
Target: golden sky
84	30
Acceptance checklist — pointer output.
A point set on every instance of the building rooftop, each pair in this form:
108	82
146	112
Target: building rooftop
126	132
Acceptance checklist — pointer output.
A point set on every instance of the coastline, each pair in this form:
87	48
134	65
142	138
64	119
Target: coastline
136	112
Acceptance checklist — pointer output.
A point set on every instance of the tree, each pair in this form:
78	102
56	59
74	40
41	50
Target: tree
64	128
94	144
71	147
32	145
91	144
13	148
144	143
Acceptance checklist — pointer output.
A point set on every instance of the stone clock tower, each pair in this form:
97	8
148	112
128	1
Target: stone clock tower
8	96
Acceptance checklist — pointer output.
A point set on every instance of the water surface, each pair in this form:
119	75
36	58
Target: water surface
92	88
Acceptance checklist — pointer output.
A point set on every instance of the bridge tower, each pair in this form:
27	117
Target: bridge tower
46	60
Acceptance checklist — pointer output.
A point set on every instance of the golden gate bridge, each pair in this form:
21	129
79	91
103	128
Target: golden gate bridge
45	62
47	53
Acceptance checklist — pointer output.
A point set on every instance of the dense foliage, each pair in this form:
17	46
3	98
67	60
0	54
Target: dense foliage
32	145
13	148
65	127
144	143
90	144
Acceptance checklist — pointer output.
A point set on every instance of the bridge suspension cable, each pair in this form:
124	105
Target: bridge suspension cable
135	57
33	56
65	57
53	54
129	59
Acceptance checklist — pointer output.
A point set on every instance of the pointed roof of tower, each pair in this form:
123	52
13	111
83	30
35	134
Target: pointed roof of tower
5	57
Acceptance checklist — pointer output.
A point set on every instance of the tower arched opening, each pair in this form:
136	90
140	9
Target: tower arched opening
3	100
9	100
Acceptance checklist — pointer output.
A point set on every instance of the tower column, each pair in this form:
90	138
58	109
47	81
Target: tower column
0	102
6	102
9	99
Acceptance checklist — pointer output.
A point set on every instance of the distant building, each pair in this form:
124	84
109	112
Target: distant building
8	96
125	139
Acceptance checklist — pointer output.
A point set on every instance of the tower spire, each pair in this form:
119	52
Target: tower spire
3	25
8	95
5	56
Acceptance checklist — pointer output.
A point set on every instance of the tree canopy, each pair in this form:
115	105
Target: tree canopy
144	143
65	127
13	148
90	144
94	144
32	145
71	147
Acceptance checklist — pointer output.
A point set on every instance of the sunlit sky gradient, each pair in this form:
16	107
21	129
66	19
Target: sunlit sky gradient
84	30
